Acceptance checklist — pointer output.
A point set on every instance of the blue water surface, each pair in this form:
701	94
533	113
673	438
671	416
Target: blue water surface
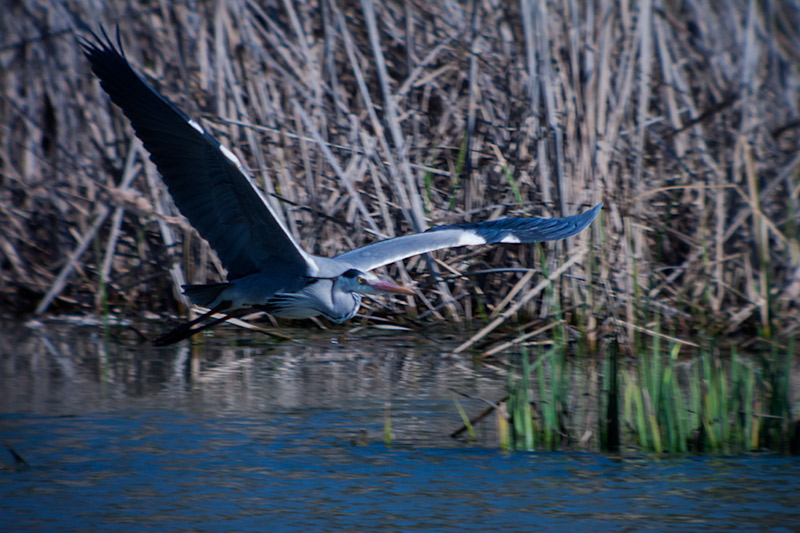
293	440
167	470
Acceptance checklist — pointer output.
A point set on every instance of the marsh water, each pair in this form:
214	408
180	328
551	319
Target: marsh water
244	433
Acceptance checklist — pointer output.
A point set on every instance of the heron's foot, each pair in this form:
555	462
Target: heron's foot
176	334
186	329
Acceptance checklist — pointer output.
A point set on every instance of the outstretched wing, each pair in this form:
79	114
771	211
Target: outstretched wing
206	181
507	230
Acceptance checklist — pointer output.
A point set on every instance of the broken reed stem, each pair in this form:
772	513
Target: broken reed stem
576	256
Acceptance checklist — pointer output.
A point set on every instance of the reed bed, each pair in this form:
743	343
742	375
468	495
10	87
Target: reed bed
363	120
670	397
659	402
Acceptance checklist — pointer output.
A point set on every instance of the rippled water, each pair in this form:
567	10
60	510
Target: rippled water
289	437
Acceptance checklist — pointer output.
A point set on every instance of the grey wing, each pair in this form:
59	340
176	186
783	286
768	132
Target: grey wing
507	230
206	181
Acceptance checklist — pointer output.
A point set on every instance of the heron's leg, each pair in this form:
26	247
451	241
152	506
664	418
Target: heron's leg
233	314
185	330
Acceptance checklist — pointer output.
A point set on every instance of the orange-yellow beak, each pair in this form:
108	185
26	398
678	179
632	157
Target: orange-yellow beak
390	287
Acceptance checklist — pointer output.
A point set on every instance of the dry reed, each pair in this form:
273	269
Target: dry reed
364	120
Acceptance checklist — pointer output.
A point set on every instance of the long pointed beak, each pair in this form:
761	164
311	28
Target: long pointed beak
389	286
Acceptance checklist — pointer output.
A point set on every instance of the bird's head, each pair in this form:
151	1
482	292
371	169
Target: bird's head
361	282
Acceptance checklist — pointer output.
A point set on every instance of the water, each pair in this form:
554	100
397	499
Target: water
289	437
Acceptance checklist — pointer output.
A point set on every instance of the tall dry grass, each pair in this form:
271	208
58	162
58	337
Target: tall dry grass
363	120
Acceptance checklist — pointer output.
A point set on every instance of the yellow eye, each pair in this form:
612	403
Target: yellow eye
361	280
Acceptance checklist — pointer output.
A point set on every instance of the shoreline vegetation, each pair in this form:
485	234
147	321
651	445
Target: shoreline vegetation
661	402
682	117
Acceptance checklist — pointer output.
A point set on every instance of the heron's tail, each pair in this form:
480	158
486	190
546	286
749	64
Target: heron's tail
204	295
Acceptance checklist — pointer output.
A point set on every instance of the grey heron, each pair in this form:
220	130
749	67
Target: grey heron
267	269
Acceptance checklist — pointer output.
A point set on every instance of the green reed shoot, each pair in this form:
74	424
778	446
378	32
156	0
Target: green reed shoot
387	424
465	419
522	435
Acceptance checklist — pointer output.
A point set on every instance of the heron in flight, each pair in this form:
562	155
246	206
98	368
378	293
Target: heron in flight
267	269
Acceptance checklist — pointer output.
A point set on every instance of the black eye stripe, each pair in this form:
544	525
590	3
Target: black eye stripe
352	273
